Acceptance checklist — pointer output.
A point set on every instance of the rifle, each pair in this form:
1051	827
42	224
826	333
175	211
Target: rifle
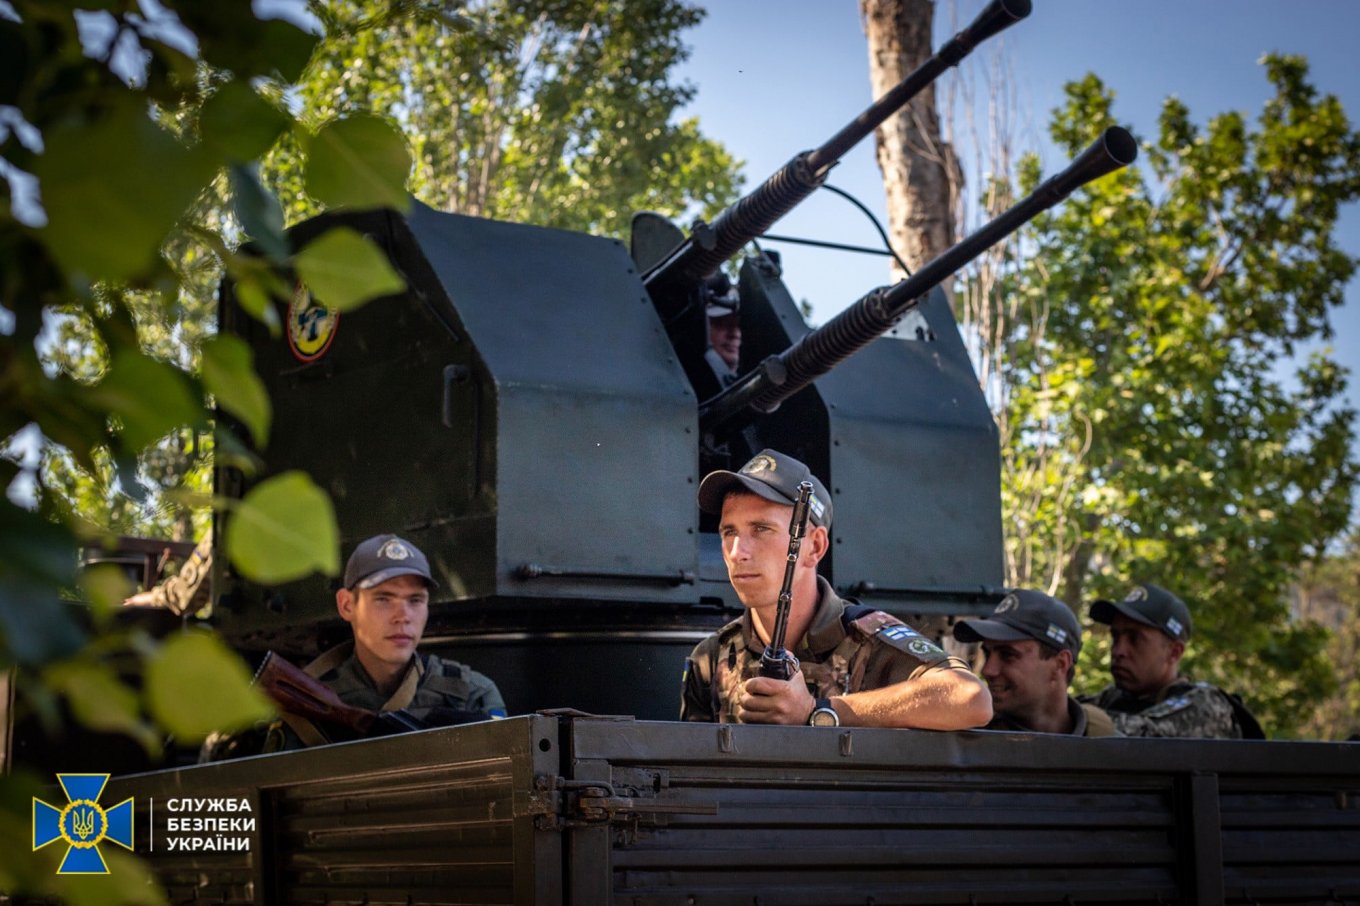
297	693
777	661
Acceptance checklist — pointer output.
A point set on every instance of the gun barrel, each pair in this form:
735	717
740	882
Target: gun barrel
781	376
707	248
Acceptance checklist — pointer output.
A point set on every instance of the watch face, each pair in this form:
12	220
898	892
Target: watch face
824	717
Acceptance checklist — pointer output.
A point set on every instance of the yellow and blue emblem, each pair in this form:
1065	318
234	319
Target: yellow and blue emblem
311	326
83	824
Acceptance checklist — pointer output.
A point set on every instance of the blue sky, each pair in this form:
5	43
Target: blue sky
775	78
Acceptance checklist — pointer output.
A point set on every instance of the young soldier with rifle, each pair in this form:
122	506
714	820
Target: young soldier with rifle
850	664
378	683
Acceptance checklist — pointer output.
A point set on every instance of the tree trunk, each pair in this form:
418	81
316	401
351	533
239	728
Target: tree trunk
917	165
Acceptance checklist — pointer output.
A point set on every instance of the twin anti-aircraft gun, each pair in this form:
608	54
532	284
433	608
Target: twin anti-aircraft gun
535	412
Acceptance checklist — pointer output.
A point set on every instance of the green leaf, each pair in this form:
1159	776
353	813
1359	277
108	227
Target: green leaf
344	269
231	37
283	530
105	587
37	560
35	626
112	188
100	700
255	286
259	213
130	882
195	685
149	397
229	374
35	547
239	125
359	162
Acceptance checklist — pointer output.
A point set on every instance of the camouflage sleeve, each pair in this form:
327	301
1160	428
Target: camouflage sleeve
696	693
1202	712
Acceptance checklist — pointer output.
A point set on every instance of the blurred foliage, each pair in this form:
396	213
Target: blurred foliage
132	137
128	136
1154	432
1328	594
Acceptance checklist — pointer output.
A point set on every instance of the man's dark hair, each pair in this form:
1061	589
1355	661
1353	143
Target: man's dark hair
1047	653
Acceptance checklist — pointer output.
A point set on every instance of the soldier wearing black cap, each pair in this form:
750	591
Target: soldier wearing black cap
1031	643
859	666
1149	697
722	305
385	599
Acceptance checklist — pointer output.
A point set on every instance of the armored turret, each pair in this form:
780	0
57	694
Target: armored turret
528	413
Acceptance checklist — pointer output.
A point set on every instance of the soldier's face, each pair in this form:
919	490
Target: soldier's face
1022	682
724	335
755	537
1143	660
387	619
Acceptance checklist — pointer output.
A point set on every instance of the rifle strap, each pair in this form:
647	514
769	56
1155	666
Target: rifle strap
305	729
400	700
406	692
329	660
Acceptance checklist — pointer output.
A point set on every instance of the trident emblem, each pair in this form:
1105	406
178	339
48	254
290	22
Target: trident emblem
82	824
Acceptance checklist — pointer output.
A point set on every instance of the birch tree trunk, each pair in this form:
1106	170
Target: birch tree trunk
920	175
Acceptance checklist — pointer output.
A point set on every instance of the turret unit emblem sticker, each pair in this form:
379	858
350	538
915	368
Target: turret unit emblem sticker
311	325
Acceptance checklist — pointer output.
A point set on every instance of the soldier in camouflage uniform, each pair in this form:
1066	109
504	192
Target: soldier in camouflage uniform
386	602
1149	697
859	666
1031	643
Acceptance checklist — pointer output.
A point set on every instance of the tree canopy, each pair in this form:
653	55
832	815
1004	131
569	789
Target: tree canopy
560	114
1152	431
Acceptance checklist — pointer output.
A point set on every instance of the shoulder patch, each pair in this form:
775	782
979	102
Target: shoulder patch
888	629
1169	707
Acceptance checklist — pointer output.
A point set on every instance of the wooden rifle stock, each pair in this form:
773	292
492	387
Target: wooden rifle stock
299	694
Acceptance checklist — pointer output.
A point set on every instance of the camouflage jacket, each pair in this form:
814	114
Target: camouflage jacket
1185	708
1087	720
848	648
439	683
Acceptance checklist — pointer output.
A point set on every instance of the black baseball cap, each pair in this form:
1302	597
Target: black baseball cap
1024	614
384	557
771	475
720	297
1150	605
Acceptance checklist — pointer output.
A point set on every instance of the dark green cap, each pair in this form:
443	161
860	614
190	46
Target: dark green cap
1025	614
769	474
1150	605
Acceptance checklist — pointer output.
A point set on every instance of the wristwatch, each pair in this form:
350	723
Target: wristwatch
823	715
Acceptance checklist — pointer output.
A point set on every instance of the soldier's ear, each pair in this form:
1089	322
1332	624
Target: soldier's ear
815	544
1177	648
344	602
